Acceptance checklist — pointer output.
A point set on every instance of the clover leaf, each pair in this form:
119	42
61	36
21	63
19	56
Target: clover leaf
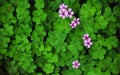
104	64
62	26
114	68
116	10
98	53
108	12
48	68
112	44
94	71
101	22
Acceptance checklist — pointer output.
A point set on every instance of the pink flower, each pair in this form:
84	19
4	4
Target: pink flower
87	40
69	13
75	64
87	44
63	6
77	21
62	13
86	37
73	25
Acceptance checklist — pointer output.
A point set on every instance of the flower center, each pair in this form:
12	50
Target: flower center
69	13
73	24
63	13
76	21
88	43
76	64
86	37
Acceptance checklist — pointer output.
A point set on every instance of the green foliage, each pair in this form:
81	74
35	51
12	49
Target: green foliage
111	42
72	72
38	14
94	71
34	40
86	63
115	66
105	63
48	68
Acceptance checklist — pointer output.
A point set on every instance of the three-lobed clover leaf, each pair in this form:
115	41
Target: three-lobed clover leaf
108	12
105	63
116	10
94	71
39	4
32	68
98	54
48	68
8	29
22	4
54	58
38	14
114	68
62	25
100	22
110	42
86	63
97	51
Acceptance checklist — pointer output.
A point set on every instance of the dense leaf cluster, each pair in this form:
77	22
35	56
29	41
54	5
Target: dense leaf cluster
34	40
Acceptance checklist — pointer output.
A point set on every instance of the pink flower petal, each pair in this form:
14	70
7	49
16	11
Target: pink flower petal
88	46
63	6
73	66
87	35
78	64
90	43
76	61
85	44
78	19
76	67
73	62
